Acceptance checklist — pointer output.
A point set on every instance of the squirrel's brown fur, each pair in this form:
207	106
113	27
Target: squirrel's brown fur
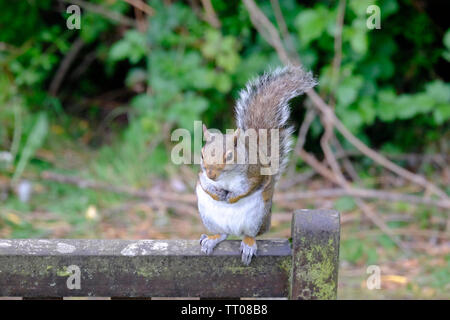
264	103
236	197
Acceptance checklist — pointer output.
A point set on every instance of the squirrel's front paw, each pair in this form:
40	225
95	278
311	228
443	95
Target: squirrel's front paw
222	194
231	197
248	250
208	243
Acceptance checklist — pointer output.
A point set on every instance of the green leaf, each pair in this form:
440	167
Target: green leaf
136	76
142	103
344	204
441	113
224	50
372	255
186	111
439	91
367	110
407	106
447	39
359	7
351	118
388	7
34	141
386	105
352	250
348	90
223	82
204	78
446	55
131	47
385	241
120	50
311	23
359	41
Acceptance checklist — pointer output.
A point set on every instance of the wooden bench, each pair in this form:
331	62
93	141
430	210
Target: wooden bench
304	268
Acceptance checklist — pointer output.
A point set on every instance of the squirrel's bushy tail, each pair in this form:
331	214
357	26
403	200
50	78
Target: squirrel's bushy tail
264	103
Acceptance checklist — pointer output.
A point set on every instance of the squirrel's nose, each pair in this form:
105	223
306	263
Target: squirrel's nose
212	175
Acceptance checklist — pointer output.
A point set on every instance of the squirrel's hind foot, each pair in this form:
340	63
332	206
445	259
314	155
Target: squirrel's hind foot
208	243
248	249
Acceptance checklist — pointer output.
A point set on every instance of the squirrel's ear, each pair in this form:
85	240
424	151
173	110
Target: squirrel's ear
206	132
236	136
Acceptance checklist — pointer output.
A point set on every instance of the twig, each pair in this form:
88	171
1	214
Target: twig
196	8
407	232
142	6
317	166
282	25
348	166
210	14
140	20
362	193
412	157
270	34
324	171
302	133
83	66
111	15
293	180
146	194
380	159
390	217
64	65
376	219
267	30
325	143
336	66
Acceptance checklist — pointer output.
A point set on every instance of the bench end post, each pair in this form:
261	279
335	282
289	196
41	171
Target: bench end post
315	254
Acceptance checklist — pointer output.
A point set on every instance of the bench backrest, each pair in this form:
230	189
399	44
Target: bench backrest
305	268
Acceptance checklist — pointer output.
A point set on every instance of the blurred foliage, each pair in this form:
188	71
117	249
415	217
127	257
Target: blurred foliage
181	70
127	89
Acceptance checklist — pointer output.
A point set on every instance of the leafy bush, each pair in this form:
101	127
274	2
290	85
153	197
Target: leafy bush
181	69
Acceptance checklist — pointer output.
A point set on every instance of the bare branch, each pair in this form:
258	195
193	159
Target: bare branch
286	37
377	157
142	6
109	14
291	180
362	193
336	66
269	32
302	133
210	14
76	47
146	194
325	143
347	164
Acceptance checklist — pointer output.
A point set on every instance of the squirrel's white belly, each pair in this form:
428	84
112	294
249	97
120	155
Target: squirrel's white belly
241	218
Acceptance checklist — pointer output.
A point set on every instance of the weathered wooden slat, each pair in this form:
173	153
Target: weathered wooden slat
145	268
176	268
315	254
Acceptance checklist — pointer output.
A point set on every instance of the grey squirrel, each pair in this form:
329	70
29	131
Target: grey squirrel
234	193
